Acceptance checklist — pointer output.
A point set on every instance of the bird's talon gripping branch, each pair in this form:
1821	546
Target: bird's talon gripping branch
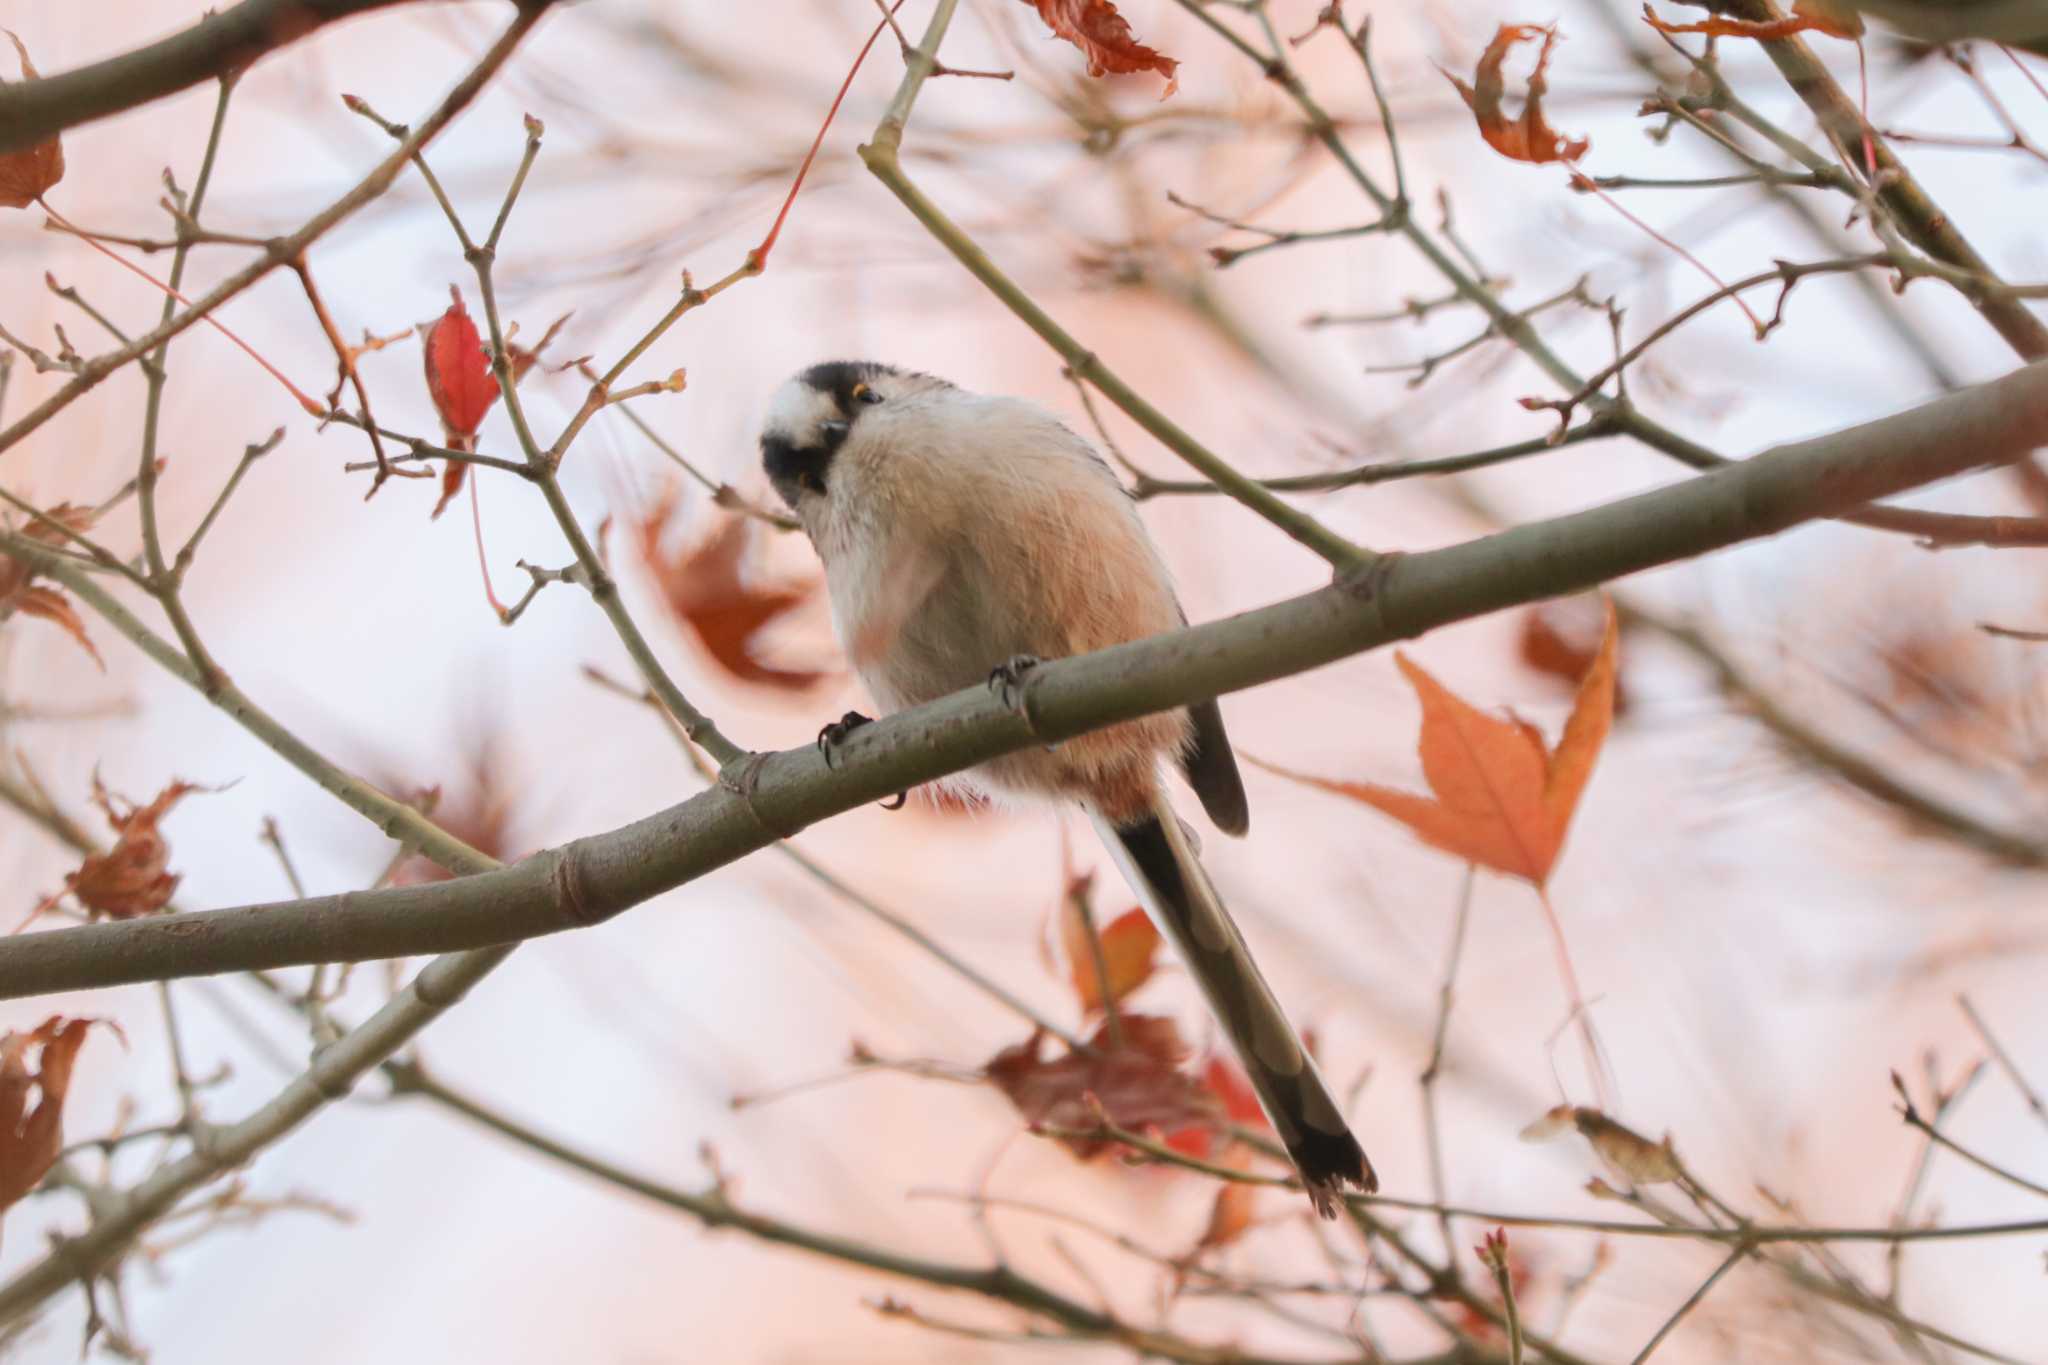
1006	680
829	739
831	736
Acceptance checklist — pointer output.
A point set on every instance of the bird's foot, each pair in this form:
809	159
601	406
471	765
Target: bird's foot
833	735
1007	678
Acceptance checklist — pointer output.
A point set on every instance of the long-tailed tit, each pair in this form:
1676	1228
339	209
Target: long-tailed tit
966	537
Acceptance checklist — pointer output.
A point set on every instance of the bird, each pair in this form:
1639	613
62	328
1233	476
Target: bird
966	538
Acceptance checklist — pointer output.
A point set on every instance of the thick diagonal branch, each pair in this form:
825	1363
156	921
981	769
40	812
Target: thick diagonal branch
770	796
219	44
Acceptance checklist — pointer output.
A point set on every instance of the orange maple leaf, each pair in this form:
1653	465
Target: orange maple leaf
1104	36
1230	1216
1502	798
1528	138
1130	951
26	174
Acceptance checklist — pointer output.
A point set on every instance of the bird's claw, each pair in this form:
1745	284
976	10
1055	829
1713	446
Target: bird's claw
831	736
1006	679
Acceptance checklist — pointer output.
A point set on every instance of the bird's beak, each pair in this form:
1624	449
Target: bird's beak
834	429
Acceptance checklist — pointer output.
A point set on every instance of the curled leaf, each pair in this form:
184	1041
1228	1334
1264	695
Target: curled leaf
55	607
31	1138
1528	138
18	595
25	175
1105	38
1627	1153
524	358
1131	1075
132	877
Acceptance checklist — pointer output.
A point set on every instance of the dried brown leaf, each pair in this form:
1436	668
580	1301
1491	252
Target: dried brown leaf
53	606
1628	1153
1134	1073
1105	38
132	877
16	594
31	1138
1528	138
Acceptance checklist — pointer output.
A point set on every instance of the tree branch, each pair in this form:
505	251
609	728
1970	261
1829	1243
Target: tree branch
769	796
220	44
1919	217
283	250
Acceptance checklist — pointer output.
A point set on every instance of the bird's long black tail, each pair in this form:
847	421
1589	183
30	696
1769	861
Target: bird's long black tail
1164	871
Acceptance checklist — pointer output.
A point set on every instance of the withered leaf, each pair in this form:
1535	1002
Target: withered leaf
16	593
1626	1152
1808	16
1528	138
1105	38
1502	798
27	174
708	592
1138	1082
1233	1093
31	1138
131	878
53	606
